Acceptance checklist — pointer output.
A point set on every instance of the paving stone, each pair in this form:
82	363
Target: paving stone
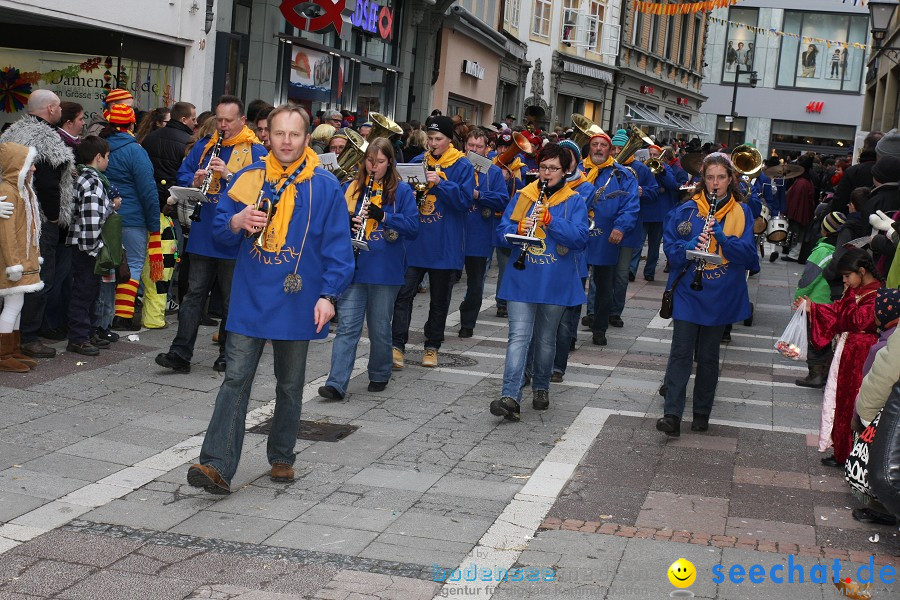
325	538
115	585
85	549
47	577
12	505
772	503
589	502
32	483
417	550
769	477
76	467
237	528
118	452
398	479
768	589
663	482
632	580
349	584
15	454
437	527
684	512
262	502
775	531
338	515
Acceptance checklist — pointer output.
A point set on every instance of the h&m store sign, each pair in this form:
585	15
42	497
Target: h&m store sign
320	15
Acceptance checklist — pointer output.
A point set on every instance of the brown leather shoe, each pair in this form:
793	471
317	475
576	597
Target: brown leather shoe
208	478
36	349
282	473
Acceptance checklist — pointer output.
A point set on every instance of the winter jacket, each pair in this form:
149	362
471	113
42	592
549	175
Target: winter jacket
166	148
20	234
876	385
53	180
859	175
801	201
812	282
884	198
131	171
854	227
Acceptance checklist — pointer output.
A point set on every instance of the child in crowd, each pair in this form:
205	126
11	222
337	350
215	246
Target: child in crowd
92	205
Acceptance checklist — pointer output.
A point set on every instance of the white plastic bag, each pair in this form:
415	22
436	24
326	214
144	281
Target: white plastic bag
792	343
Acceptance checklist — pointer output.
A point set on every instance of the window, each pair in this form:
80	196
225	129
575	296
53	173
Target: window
734	133
698	37
637	29
683	39
511	13
595	22
807	63
540	21
570	21
654	35
740	45
670	37
791	136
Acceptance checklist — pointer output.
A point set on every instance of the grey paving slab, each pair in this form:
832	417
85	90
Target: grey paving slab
768	589
117	452
32	483
267	503
12	505
115	585
325	538
146	508
417	550
353	517
354	584
453	485
645	557
76	467
397	479
451	528
45	578
237	528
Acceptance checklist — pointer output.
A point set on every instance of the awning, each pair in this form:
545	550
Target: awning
645	116
684	125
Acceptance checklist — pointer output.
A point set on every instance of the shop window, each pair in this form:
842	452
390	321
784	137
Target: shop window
795	136
807	61
511	13
540	22
738	130
740	44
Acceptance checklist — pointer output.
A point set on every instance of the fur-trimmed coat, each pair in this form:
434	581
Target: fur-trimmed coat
53	181
20	234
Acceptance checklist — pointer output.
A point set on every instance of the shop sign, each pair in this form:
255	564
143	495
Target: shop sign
373	18
315	15
815	107
646	89
473	68
682	101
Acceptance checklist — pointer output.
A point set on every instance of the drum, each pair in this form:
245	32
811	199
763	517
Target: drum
777	231
762	221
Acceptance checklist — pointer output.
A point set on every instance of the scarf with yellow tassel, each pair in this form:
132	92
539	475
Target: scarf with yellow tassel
240	157
246	188
529	195
733	226
592	169
375	198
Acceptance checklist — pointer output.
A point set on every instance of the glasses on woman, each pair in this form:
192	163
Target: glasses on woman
549	169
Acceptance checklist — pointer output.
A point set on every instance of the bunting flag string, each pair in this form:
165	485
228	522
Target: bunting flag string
671	8
857	2
805	38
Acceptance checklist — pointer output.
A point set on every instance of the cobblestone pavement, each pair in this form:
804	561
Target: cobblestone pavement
94	451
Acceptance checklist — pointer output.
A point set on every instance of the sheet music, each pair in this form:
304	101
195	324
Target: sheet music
412	173
329	161
481	163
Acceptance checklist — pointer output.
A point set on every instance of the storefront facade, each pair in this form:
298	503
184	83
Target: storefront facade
49	47
810	82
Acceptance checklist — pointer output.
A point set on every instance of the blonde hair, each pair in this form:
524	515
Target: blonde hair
323	133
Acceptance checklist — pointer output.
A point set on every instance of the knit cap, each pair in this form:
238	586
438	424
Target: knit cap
833	221
573	147
119	114
116	96
886	169
621	138
889	145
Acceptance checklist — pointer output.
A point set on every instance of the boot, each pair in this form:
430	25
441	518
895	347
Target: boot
17	351
8	364
818	374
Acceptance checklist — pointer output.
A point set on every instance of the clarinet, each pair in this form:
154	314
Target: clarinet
207	180
697	283
520	262
359	241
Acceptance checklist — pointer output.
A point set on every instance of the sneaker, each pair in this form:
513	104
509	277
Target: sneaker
505	407
557	377
377	386
430	358
616	321
172	307
100	342
86	348
106	334
398	358
330	393
170	360
465	332
540	400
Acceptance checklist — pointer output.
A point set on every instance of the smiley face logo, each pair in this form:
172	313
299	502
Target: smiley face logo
682	573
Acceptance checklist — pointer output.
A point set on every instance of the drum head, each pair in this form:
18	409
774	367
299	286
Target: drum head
760	225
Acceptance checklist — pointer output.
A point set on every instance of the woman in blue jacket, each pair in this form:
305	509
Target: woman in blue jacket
538	294
392	219
701	315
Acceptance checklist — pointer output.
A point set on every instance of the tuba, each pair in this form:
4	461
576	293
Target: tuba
585	129
747	160
636	139
351	155
520	144
382	127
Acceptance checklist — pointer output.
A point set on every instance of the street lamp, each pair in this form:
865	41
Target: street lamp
881	14
753	81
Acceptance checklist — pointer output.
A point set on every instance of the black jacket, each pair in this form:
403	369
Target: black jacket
884	198
858	175
166	147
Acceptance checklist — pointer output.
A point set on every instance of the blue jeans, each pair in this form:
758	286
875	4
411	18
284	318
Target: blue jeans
565	333
135	241
224	437
620	282
502	259
204	270
687	339
653	233
375	304
527	319
105	309
476	269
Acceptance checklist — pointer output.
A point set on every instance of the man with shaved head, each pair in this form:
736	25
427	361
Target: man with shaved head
53	184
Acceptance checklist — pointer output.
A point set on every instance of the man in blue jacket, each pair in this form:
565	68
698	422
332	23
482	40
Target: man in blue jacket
287	277
654	214
210	258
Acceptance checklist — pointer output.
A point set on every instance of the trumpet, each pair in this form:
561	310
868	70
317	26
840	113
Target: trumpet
359	239
207	180
705	256
657	165
263	205
422	188
520	262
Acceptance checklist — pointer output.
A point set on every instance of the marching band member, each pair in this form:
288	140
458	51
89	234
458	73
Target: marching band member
490	196
439	249
210	258
647	194
700	315
615	210
392	218
538	294
286	279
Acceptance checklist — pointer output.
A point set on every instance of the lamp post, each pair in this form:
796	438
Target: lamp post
881	14
753	82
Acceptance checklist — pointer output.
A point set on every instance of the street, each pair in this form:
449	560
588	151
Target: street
429	495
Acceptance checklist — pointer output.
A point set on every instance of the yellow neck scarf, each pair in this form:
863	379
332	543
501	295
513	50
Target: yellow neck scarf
447	159
241	156
592	170
733	226
514	167
375	198
577	181
246	190
529	195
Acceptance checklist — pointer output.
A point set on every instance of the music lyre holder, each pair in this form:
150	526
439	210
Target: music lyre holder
522	240
360	245
711	258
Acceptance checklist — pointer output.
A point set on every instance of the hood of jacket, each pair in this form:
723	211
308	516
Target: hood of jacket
120	140
16	160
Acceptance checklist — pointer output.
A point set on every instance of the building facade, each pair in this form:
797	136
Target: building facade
810	80
162	52
881	109
660	71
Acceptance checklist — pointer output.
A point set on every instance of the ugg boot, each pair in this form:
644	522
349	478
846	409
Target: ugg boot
818	375
8	364
17	351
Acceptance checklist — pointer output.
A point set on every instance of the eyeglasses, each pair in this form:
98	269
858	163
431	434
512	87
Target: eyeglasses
544	169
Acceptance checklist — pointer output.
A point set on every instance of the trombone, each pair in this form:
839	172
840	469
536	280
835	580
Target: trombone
657	165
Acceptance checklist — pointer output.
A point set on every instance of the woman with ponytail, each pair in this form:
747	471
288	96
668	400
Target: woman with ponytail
852	318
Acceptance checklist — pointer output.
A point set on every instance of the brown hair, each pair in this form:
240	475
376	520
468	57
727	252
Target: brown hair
290	108
722	160
151	120
391	177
